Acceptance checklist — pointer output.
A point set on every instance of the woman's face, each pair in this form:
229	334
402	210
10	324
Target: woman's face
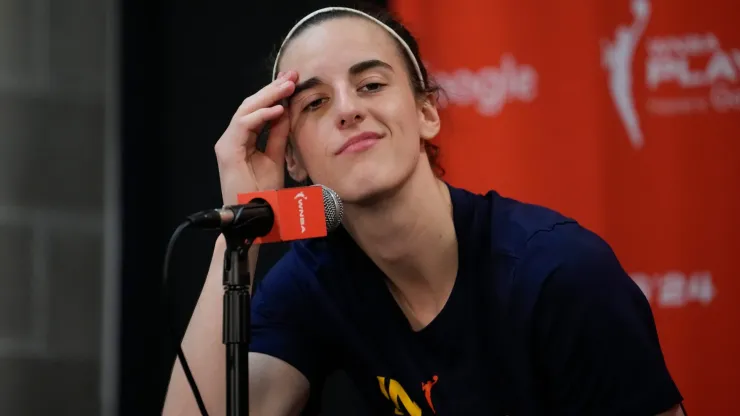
355	122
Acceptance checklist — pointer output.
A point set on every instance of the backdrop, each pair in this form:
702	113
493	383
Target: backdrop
624	115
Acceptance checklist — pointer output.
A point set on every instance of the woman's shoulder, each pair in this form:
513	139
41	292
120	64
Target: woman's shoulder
511	223
547	248
536	241
539	235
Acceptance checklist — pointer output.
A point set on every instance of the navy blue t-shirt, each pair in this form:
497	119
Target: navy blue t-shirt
542	319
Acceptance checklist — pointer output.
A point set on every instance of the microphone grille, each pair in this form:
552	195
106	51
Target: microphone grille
333	208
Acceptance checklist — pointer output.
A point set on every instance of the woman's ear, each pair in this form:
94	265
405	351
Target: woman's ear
429	123
294	164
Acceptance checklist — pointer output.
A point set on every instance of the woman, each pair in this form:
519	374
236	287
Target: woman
434	300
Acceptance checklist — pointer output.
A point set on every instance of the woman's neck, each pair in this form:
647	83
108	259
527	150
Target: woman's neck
411	237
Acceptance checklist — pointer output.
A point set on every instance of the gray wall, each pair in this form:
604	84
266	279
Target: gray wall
56	250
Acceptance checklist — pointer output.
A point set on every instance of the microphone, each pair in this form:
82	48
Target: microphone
278	215
260	217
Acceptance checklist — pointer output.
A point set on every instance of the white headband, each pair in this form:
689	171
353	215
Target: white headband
347	9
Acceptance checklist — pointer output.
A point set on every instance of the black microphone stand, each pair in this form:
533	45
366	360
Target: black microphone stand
237	309
236	325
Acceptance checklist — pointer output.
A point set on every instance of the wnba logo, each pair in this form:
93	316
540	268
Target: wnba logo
700	74
617	58
300	196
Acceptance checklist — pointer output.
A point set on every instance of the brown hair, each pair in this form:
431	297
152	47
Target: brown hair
421	89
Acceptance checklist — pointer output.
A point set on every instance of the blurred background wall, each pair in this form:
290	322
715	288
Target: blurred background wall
56	132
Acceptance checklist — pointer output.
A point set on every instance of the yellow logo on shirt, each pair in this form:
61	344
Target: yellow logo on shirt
395	393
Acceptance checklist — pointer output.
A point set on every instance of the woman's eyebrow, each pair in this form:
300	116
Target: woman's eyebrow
368	64
355	69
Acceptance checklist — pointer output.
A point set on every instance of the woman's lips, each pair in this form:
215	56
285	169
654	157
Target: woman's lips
359	142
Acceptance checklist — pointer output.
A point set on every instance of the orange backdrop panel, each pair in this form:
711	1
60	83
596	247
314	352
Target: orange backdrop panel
625	115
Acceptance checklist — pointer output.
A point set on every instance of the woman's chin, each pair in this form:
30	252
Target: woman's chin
366	189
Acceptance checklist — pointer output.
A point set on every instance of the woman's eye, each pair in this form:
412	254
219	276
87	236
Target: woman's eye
369	87
372	86
313	105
